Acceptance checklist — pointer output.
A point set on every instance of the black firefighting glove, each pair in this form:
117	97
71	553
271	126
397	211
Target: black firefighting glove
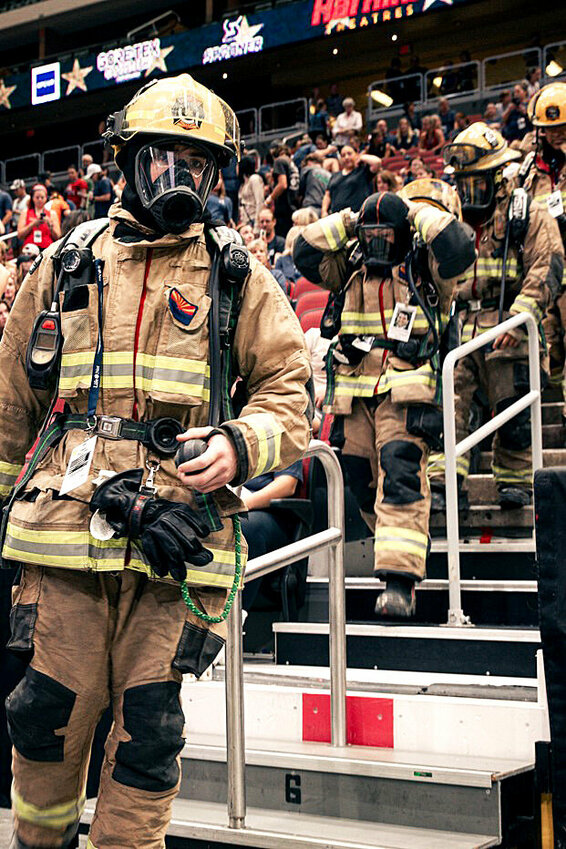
168	531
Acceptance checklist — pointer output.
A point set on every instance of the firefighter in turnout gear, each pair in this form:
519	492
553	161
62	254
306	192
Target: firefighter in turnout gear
545	182
391	271
156	313
518	269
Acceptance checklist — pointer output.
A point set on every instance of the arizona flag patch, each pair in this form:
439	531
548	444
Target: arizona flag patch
181	309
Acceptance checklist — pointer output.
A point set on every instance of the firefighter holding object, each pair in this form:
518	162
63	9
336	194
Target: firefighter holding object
545	181
140	325
518	269
391	270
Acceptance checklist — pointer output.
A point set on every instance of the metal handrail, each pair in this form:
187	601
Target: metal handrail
453	449
442	71
275	132
333	539
489	63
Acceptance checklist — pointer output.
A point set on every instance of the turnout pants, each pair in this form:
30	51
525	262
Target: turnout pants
98	639
504	381
554	325
386	469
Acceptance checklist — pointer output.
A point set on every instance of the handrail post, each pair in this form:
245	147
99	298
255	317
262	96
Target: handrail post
534	384
235	732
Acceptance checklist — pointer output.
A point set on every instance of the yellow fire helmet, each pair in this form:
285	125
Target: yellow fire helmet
180	108
547	108
478	148
434	192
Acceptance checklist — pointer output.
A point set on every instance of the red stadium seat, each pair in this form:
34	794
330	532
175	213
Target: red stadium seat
311	301
311	318
304	285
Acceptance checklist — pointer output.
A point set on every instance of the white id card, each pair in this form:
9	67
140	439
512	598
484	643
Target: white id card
402	322
79	465
554	203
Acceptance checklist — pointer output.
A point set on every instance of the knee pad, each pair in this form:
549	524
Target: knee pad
401	465
515	435
154	719
37	708
359	478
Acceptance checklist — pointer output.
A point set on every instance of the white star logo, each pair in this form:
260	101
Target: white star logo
5	93
158	64
246	32
76	77
429	3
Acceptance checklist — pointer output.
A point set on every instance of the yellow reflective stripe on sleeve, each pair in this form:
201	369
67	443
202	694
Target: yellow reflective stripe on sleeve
401	539
423	220
56	816
362	386
524	303
268	432
8	475
334	231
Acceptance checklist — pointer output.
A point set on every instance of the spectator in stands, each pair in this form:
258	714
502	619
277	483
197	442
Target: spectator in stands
413	82
20	202
313	184
405	136
39	226
25	261
86	160
283	196
58	205
317	347
119	187
395	83
503	103
246	231
44	177
77	189
447	116
267	224
318	120
411	115
378	145
352	184
4	313
334	101
490	116
258	248
414	171
386	181
5	210
431	137
348	123
219	204
462	121
4	270
251	194
102	191
232	182
514	123
10	290
303	147
467	74
284	262
532	81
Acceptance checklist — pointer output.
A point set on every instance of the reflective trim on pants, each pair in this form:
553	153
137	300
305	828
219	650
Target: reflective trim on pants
401	539
55	816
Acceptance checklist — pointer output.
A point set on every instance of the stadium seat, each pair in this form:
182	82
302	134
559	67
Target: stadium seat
304	285
311	301
311	318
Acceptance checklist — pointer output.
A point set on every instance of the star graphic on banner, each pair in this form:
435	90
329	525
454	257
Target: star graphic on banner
158	64
429	3
76	77
246	32
5	93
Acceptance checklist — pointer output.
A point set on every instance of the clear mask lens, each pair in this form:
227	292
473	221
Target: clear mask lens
474	190
162	167
377	243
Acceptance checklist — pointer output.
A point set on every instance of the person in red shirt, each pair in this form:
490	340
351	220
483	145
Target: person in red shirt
77	189
38	226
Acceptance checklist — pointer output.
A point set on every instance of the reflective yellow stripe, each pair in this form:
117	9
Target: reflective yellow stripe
423	376
490	267
55	816
268	432
524	303
218	573
334	231
363	386
369	323
513	476
65	549
437	465
406	540
8	476
423	220
89	844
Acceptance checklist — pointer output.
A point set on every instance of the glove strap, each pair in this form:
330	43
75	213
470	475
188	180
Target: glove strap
136	514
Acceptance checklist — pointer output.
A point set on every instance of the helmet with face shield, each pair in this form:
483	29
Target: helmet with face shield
383	231
547	113
477	157
170	141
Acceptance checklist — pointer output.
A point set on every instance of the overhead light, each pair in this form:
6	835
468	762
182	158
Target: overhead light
224	76
394	37
437	81
335	51
381	97
553	68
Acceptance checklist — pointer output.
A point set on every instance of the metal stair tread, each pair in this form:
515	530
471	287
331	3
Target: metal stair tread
438	584
275	829
425	767
497	545
437	632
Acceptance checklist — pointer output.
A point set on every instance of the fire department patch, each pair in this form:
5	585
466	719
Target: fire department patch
181	309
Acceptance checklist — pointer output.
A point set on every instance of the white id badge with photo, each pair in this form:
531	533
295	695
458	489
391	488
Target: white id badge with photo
79	465
554	203
402	322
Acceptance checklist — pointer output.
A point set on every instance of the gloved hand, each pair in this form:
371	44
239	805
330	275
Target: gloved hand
167	530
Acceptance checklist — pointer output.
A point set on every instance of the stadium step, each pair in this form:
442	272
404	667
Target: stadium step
550	457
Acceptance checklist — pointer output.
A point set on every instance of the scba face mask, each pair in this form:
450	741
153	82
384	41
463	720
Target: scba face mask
173	182
383	232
